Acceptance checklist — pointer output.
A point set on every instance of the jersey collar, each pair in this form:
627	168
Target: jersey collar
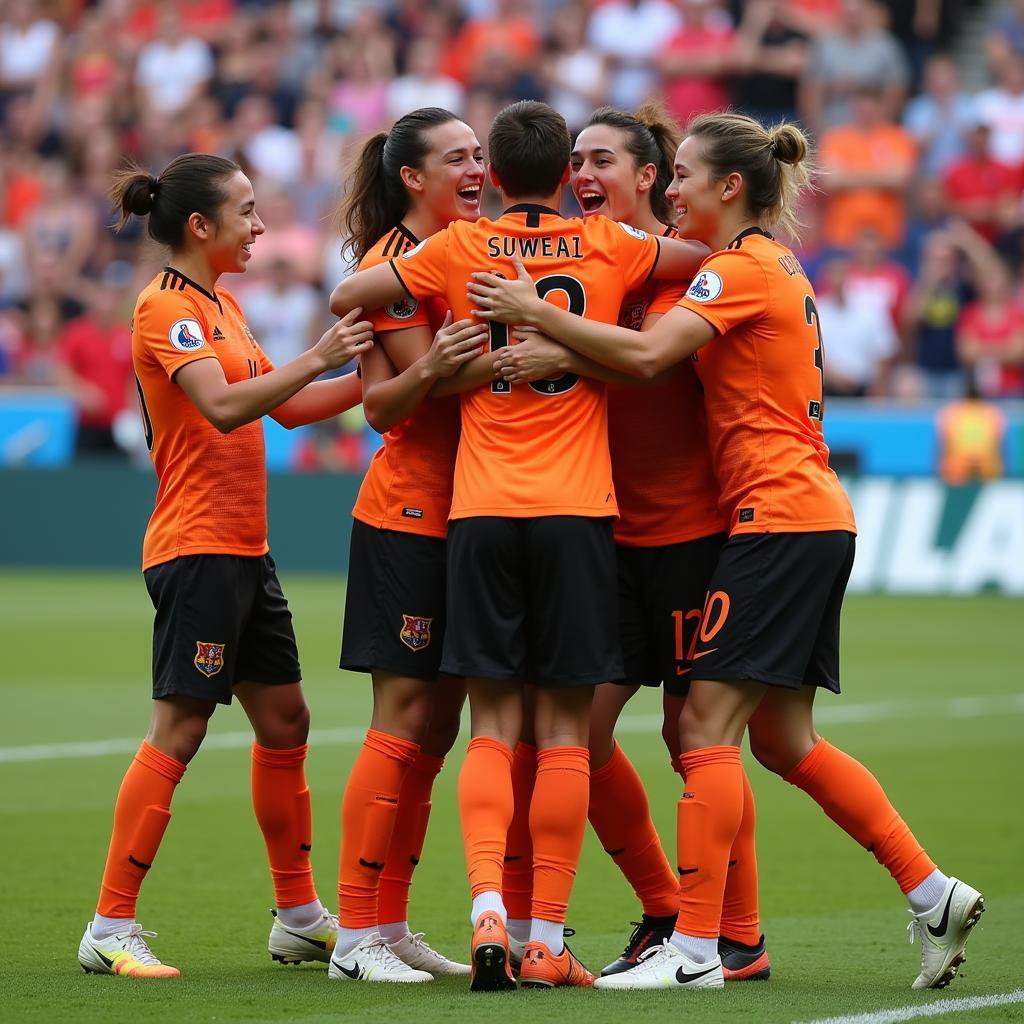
737	242
182	280
533	211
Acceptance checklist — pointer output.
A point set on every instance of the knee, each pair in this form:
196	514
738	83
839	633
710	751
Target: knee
441	735
286	727
407	717
693	729
779	752
182	737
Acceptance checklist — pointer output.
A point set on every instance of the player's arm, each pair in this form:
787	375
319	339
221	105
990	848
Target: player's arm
677	335
679	259
373	288
321	400
406	365
228	406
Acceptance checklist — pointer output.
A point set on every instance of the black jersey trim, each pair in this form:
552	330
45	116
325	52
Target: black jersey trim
175	280
408	234
392	239
391	264
657	256
737	242
533	211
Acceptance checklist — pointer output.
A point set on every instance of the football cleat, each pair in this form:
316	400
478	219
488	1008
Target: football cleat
943	932
124	953
744	963
543	969
371	959
491	963
413	951
294	945
651	931
663	967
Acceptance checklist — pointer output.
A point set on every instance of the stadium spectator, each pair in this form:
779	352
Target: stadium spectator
981	189
695	62
508	29
268	149
1005	39
858	54
423	84
1002	109
283	311
873	277
990	335
941	118
971	432
36	359
859	336
573	71
770	57
29	47
868	165
174	67
628	33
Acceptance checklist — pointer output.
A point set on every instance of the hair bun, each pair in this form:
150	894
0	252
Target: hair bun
140	193
788	144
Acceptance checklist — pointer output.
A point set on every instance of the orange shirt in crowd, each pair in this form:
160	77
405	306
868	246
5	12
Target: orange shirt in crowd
762	380
661	462
408	486
850	211
211	496
537	449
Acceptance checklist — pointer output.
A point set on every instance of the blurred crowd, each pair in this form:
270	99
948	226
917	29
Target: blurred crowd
915	242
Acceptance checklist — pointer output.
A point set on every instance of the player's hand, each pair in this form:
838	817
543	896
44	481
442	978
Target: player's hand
349	337
535	356
497	298
455	344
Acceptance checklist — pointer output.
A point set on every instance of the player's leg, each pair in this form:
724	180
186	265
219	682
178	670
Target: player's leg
406	847
195	630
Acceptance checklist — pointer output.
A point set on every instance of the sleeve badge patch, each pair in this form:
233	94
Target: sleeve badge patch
630	230
415	249
209	658
402	309
415	632
706	287
186	335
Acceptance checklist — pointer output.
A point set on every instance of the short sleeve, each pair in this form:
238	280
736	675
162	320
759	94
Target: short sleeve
423	270
729	290
666	296
637	253
173	331
406	312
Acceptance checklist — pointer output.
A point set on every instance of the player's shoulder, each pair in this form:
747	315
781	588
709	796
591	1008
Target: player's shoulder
396	242
167	294
604	228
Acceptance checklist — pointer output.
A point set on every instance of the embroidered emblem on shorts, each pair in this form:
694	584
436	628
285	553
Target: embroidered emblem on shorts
209	658
415	632
402	309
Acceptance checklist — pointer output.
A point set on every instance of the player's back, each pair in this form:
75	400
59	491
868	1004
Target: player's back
762	382
535	449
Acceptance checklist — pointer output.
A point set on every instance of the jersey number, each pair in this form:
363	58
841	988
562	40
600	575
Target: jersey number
147	423
816	406
577	297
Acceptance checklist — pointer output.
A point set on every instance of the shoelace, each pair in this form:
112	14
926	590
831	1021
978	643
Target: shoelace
913	928
418	942
136	945
660	947
379	951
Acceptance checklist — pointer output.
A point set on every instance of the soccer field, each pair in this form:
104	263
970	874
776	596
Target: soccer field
933	703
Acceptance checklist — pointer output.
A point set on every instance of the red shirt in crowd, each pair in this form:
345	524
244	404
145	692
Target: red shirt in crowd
998	331
102	356
976	187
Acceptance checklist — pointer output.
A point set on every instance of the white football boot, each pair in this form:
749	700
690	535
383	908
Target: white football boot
663	966
371	959
516	952
417	954
125	953
943	932
294	945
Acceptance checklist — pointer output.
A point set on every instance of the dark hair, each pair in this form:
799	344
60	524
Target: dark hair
529	147
775	163
191	183
377	198
652	137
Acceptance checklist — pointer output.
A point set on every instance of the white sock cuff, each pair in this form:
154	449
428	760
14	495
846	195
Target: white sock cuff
489	901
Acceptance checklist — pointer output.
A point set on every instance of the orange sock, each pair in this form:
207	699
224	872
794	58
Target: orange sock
517	879
558	821
740	918
367	819
141	814
709	818
280	798
852	797
407	839
621	816
485	809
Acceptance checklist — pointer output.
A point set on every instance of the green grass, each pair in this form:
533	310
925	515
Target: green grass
75	668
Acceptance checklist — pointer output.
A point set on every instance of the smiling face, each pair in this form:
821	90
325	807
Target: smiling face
238	225
696	198
605	178
451	180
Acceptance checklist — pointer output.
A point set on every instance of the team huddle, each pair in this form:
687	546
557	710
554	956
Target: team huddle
602	468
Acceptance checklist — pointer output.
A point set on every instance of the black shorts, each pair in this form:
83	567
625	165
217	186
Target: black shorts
395	605
772	613
535	600
220	620
661	595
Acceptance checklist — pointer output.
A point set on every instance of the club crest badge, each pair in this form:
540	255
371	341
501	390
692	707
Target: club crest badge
415	632
402	309
209	658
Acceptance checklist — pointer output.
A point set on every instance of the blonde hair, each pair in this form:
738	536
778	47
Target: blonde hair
775	164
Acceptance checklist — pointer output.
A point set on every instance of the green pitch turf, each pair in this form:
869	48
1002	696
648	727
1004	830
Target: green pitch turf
933	703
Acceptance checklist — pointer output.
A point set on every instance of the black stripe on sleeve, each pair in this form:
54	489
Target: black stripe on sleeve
391	263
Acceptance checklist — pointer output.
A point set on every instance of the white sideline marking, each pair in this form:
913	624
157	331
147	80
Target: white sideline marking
839	714
959	1005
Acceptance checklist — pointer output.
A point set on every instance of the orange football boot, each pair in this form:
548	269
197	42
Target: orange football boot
543	969
491	969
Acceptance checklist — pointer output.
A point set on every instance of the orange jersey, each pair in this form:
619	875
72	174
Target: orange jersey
762	380
408	486
212	491
537	449
659	442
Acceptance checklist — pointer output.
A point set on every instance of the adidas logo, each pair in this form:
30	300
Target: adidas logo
218	334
